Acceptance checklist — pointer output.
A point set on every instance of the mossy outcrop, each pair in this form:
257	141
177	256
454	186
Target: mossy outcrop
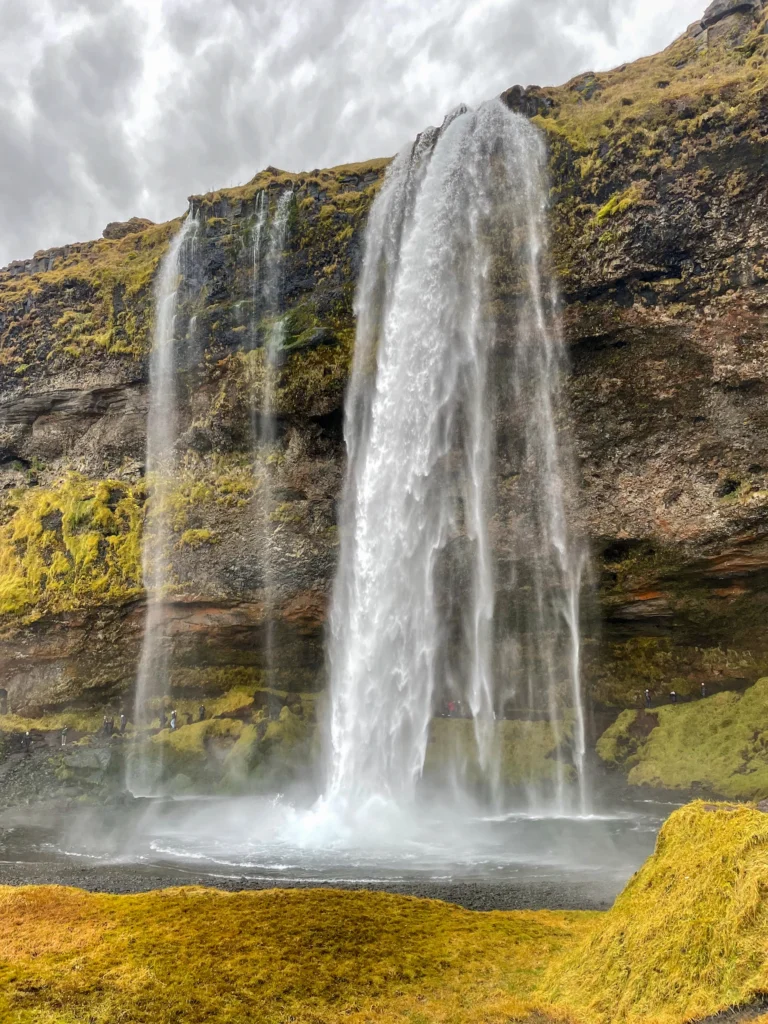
716	745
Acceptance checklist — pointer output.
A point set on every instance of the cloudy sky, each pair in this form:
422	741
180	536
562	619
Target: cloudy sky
114	108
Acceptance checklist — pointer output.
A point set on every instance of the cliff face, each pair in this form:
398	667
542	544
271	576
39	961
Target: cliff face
660	232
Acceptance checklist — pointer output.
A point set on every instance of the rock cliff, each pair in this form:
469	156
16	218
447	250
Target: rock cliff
660	235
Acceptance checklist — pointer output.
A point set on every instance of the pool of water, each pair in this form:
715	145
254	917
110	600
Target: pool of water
272	841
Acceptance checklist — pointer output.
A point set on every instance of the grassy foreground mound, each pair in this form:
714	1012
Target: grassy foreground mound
193	955
687	938
719	745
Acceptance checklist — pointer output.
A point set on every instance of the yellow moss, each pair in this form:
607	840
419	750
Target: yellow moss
621	202
75	544
77	721
319	957
198	538
190	740
686	938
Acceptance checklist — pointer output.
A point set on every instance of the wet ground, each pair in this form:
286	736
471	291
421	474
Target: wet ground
479	861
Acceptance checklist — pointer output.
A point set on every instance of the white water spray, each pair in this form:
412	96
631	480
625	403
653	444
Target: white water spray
162	432
456	336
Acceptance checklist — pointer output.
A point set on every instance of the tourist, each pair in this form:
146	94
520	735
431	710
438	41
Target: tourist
105	726
647	698
64	736
123	722
673	697
173	721
26	742
703	690
201	713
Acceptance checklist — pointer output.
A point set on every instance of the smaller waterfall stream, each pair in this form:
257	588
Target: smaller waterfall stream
162	431
268	246
454	445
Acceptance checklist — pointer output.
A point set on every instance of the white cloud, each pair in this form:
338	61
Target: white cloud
110	108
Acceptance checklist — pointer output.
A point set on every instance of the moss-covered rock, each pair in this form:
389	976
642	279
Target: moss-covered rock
528	753
75	544
717	745
267	745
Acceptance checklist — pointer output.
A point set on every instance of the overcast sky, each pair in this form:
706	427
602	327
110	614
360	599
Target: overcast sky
115	108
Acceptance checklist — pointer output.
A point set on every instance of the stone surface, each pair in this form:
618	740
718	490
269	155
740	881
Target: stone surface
720	9
119	229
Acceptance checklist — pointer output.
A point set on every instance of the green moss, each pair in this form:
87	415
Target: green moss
75	544
232	754
719	745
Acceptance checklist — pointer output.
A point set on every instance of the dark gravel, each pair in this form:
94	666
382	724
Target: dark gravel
530	894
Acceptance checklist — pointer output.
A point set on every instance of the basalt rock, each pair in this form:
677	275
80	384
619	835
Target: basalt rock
119	229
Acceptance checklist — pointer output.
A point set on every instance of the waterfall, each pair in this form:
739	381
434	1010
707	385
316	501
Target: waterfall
162	432
453	406
267	286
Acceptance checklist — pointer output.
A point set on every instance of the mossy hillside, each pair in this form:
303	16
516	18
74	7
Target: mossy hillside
85	302
527	752
234	754
718	745
679	127
687	936
198	955
74	544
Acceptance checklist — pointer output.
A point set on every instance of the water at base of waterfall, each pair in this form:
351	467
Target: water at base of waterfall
520	859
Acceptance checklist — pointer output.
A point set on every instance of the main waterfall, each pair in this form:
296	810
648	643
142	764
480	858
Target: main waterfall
458	478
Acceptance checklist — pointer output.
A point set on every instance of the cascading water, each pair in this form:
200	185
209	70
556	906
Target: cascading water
453	407
267	280
162	431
